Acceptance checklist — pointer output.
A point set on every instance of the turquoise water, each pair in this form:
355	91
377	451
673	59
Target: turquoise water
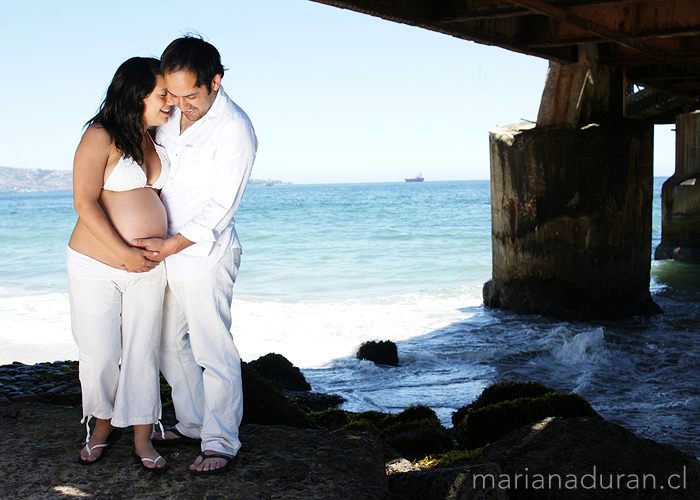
364	240
327	267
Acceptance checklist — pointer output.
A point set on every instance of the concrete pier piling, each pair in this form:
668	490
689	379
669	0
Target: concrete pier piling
571	220
680	196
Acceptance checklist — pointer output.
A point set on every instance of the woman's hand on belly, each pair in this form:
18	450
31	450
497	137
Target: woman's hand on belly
138	213
163	248
137	261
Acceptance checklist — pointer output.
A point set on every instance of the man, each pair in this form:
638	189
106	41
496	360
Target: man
212	145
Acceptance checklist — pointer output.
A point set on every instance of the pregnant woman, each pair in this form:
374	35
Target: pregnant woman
116	293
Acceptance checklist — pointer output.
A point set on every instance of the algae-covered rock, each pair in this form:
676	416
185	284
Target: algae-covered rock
281	372
414	433
315	401
485	425
331	419
590	459
417	439
502	391
464	482
382	353
263	404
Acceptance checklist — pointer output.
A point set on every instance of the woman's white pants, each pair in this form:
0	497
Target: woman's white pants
116	316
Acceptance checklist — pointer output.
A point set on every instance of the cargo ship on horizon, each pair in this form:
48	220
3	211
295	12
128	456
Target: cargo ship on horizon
417	178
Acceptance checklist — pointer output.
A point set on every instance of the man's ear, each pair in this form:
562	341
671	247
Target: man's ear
216	83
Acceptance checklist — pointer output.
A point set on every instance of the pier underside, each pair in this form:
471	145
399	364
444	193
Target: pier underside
572	195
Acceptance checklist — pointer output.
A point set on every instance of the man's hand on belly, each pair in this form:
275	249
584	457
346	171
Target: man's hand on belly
163	248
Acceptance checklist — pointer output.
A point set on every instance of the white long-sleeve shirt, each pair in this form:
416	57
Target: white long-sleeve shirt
210	164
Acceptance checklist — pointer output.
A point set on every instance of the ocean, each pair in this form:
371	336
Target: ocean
328	267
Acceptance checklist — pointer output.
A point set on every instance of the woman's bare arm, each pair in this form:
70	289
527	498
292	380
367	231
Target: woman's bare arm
91	159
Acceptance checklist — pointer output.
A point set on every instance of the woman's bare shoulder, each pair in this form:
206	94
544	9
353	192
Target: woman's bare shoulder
97	133
96	140
96	148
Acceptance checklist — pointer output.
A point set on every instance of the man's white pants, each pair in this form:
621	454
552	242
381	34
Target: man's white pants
197	334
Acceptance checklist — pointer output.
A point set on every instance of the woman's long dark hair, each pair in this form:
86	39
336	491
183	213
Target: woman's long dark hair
121	113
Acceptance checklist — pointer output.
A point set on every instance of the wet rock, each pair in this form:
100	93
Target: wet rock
499	392
591	459
264	404
505	407
450	483
47	382
281	372
26	397
418	439
316	401
383	352
413	433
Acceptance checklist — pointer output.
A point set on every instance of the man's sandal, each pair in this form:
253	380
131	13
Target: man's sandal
210	472
180	439
111	439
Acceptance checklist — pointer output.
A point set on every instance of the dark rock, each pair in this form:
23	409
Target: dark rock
450	483
331	419
578	451
485	425
490	295
413	433
383	352
26	397
506	406
499	392
316	401
281	372
70	397
418	439
264	404
60	388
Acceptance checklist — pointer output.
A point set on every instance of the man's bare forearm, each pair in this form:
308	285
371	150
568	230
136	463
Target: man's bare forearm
177	243
163	248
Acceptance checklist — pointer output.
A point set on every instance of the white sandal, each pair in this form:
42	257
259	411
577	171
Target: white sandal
156	469
111	439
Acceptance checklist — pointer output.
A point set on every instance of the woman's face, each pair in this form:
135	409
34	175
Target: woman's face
156	107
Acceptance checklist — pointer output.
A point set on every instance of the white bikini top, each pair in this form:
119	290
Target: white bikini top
128	174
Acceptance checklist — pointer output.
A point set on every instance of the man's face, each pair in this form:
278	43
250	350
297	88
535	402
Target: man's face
193	101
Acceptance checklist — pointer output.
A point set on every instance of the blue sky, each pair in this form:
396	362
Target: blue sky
334	95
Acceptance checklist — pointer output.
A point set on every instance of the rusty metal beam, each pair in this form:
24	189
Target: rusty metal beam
560	42
500	9
566	16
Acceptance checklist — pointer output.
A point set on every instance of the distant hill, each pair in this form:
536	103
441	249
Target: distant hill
28	180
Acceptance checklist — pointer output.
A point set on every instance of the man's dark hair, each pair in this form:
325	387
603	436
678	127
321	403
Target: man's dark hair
191	53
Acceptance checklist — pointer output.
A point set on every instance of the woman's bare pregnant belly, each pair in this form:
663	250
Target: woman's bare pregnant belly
138	213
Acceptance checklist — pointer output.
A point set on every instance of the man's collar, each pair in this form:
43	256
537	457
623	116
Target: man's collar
218	105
